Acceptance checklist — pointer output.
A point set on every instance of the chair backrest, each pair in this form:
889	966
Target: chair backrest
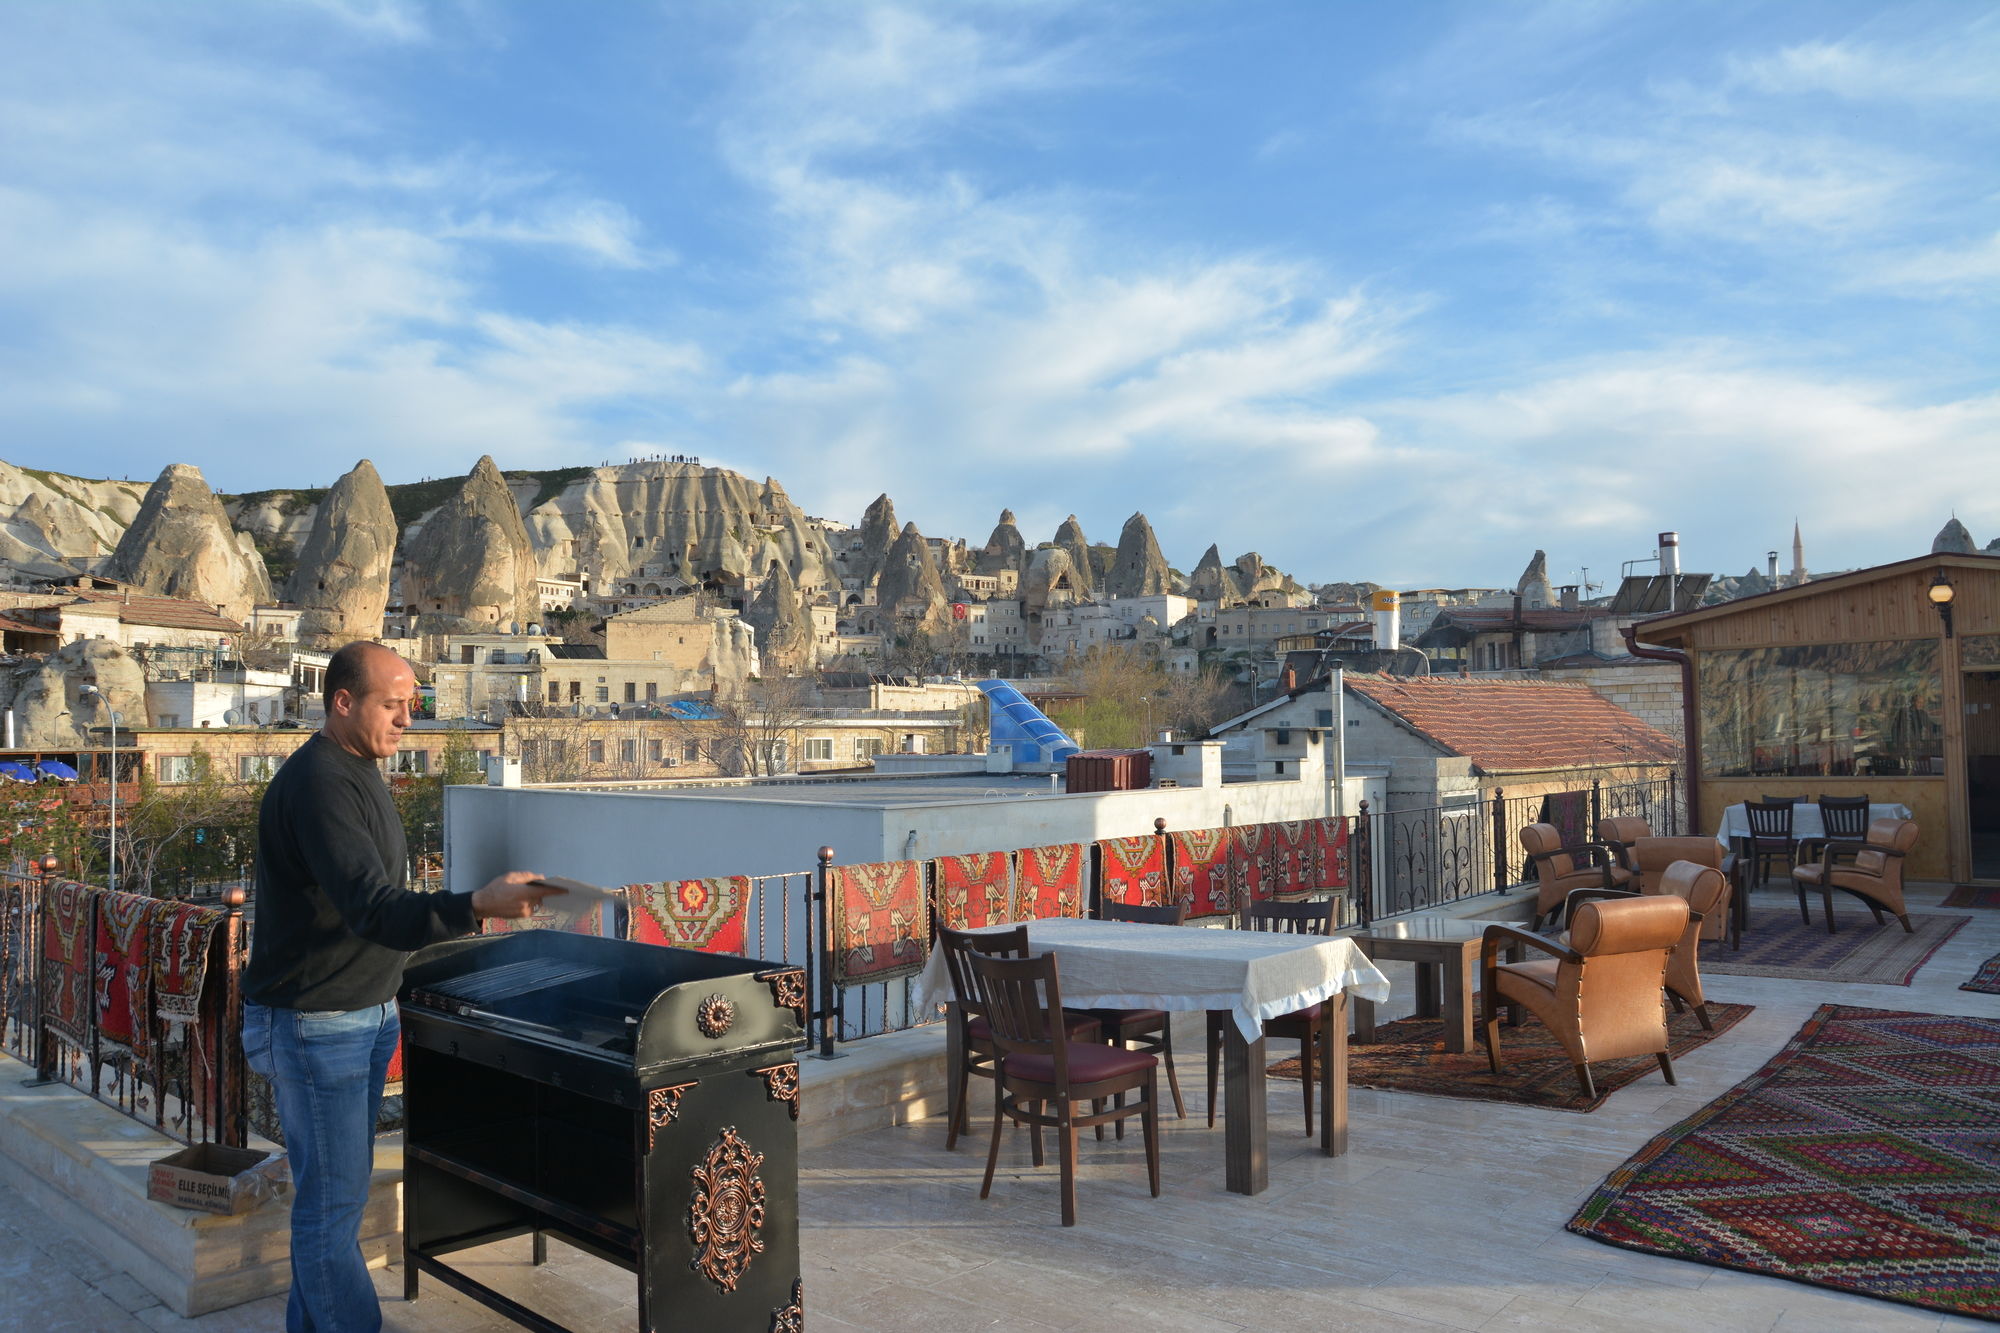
955	945
1780	800
1542	842
1615	989
1844	816
1173	914
1893	835
1623	828
1621	926
1651	856
1703	888
1309	918
1017	997
1769	819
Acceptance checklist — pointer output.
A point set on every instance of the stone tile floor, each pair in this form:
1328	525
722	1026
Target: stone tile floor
1443	1215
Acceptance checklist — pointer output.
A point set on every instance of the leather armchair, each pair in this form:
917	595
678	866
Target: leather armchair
1706	891
1601	994
1619	832
1653	857
1558	869
1871	870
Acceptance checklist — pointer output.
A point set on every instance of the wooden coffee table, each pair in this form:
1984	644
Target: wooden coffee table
1446	954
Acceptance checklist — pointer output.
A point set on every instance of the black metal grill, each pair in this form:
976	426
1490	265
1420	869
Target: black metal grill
638	1103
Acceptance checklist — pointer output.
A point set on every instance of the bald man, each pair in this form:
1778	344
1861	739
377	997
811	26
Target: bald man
333	926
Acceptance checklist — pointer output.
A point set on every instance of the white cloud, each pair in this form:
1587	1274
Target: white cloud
1953	270
601	231
1958	65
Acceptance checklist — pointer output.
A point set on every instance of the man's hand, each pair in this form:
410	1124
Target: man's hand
515	894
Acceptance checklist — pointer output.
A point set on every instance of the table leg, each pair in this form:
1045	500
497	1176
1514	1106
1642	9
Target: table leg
1246	1146
1333	1077
1427	989
1458	988
1364	1020
954	1060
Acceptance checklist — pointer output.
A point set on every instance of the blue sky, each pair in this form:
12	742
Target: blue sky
1383	291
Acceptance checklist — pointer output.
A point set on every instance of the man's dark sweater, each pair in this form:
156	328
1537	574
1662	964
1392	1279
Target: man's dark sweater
333	920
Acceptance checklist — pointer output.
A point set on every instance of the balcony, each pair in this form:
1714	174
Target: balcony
1443	1214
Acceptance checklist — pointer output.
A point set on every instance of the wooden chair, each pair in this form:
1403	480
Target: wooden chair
1619	832
1602	993
973	1034
1307	918
1844	818
1558	869
1148	1030
1707	892
1036	1069
1770	837
1871	870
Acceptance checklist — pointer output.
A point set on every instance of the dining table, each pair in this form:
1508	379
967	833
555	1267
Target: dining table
1247	975
1806	820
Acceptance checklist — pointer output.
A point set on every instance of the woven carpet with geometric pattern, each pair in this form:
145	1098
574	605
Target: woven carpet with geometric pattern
1865	1157
1972	895
1987	979
1778	944
1408	1055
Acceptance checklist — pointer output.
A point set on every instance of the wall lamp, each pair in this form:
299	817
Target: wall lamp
1941	593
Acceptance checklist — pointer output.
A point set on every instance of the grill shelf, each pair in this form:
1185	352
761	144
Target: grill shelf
512	979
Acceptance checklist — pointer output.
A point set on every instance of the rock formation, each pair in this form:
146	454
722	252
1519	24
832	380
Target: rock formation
783	625
1070	538
181	545
1140	570
1212	581
910	595
1005	549
341	585
1534	589
1953	539
471	567
1051	581
49	712
878	533
52	524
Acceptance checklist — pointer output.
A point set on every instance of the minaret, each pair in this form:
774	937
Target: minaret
1798	555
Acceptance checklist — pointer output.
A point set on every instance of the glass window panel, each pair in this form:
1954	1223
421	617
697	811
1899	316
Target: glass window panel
1980	650
1821	710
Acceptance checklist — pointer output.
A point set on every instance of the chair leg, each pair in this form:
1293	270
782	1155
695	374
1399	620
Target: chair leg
1038	1108
1583	1077
1068	1153
1876	912
1667	1067
993	1148
1490	1029
1707	1023
956	1122
1805	912
1828	896
1149	1124
1675	1001
1167	1059
1904	917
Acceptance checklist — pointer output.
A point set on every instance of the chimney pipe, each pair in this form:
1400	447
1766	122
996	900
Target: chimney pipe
1771	564
1670	554
1388	608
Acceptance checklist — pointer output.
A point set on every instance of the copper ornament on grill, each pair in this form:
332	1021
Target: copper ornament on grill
727	1211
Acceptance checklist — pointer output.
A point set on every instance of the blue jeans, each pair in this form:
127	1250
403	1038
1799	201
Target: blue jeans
327	1070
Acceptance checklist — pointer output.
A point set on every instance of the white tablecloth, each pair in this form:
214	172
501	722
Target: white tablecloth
1806	821
1255	975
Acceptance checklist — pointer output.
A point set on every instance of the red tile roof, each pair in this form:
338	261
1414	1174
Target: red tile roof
167	612
1506	726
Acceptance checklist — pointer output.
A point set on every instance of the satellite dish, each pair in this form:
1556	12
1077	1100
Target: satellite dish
229	719
590	710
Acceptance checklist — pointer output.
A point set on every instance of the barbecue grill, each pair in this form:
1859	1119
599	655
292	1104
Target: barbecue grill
637	1102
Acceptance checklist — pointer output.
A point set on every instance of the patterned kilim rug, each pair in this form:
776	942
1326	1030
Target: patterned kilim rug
1987	979
1408	1055
1865	1156
1778	944
1968	895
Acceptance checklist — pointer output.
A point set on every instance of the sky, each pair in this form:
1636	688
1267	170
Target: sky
1396	292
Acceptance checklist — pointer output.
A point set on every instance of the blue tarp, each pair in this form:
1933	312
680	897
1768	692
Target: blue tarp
691	710
18	772
56	768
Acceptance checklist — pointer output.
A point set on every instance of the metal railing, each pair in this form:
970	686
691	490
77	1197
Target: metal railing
180	1073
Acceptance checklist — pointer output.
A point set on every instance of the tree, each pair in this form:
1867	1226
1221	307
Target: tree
39	819
757	735
1126	697
179	834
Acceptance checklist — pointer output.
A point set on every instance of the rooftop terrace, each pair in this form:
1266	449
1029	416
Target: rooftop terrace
1444	1214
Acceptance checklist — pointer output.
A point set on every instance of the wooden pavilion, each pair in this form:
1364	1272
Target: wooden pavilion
1884	681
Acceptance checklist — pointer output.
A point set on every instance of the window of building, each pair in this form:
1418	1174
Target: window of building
1323	717
1821	710
596	752
652	690
817	747
412	762
628	751
555	691
177	768
631	691
170	719
576	691
656	751
256	767
690	751
604	694
867	747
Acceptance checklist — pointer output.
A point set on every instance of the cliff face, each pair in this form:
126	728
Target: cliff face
783	626
878	534
1005	549
470	566
45	694
342	582
1070	538
52	524
180	544
910	595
